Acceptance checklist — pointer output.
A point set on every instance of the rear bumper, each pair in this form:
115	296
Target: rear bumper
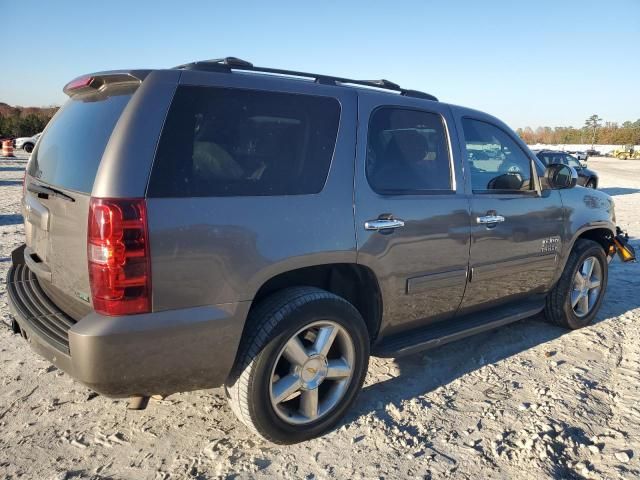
147	354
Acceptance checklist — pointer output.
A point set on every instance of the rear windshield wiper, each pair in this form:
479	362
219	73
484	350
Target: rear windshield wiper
44	190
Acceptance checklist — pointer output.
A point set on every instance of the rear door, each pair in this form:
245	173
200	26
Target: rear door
516	227
412	217
58	185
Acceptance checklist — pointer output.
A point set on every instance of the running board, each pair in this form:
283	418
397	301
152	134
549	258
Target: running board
437	334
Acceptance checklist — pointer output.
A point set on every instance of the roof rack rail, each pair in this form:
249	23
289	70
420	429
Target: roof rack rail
228	64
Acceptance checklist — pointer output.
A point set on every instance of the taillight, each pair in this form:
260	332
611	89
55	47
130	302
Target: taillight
118	253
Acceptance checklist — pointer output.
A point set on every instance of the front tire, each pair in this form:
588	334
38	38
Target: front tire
575	300
28	147
591	184
300	366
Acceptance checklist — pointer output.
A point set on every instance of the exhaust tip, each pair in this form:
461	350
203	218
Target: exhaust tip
137	402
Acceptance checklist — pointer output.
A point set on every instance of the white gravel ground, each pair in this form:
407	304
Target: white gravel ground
528	401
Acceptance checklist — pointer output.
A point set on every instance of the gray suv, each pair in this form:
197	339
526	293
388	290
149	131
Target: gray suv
268	230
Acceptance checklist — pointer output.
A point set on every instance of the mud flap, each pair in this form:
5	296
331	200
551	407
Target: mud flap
15	327
17	256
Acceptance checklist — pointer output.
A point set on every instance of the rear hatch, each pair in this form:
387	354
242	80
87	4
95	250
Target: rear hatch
58	185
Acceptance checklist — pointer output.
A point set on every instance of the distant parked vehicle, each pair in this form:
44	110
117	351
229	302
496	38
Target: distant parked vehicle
586	177
27	143
593	153
626	152
582	156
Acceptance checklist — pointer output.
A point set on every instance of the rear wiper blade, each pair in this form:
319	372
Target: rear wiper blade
44	190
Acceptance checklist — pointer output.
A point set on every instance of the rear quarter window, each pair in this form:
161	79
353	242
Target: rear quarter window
235	142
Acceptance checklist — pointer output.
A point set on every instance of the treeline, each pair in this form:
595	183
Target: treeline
595	131
23	121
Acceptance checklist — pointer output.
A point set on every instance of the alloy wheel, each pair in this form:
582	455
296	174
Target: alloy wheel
586	286
312	372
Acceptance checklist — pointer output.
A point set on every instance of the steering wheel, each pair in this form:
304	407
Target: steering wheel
509	167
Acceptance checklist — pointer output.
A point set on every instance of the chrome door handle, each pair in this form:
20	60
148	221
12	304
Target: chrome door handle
383	224
490	219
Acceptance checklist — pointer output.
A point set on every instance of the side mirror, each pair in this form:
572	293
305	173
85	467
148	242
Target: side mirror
561	176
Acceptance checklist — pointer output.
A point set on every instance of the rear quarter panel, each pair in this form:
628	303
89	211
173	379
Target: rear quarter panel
215	250
127	159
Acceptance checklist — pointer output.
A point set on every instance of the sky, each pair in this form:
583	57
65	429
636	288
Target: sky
530	63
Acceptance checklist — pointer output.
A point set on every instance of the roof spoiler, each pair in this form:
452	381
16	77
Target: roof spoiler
95	82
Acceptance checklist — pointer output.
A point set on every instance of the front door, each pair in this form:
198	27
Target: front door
412	217
516	227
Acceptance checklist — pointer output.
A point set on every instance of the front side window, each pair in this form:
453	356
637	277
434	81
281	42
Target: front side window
496	161
235	142
407	152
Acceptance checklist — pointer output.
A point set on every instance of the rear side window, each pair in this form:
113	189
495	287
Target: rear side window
407	152
232	142
69	153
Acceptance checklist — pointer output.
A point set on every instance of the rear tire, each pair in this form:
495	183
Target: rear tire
294	317
566	304
28	147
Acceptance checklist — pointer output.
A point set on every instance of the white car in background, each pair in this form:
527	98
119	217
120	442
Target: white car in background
579	155
27	143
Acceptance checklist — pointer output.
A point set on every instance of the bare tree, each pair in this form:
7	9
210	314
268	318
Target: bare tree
592	124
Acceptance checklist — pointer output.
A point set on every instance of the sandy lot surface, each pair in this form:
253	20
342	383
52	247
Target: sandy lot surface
528	401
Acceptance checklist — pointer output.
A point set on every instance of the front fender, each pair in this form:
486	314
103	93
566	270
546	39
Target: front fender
586	210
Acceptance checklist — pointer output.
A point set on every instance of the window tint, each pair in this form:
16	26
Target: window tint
495	159
227	142
69	153
407	152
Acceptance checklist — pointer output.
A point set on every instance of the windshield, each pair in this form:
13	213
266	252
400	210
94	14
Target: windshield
69	152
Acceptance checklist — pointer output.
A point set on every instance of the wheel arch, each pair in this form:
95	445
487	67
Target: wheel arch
601	233
353	282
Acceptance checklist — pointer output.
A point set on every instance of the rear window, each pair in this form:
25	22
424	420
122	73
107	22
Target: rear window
69	152
232	142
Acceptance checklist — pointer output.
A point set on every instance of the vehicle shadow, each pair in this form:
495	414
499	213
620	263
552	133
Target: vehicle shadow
614	191
424	372
10	219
